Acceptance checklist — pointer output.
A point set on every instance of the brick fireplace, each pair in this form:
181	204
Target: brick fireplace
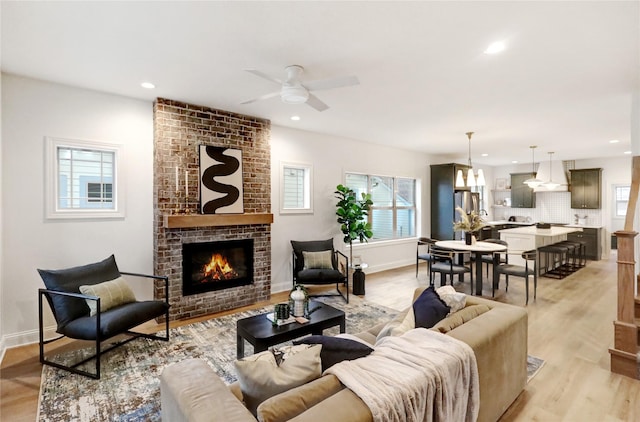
179	130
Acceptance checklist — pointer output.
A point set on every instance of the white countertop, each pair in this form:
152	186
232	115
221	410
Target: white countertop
552	231
584	226
498	222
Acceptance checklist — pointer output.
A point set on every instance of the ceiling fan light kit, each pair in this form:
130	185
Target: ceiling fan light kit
294	91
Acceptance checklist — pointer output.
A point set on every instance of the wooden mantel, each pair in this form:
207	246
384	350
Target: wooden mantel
178	221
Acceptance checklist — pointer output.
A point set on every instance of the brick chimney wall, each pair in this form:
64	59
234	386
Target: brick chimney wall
179	130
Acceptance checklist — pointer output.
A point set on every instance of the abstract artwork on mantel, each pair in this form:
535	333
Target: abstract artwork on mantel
220	180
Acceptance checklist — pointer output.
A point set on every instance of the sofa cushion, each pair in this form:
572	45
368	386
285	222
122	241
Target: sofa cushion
458	318
66	309
289	404
319	260
336	349
260	376
112	293
429	309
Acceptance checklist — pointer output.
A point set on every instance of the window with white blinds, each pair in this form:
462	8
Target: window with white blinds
393	214
295	188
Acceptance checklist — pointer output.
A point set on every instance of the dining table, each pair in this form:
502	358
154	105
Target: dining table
477	248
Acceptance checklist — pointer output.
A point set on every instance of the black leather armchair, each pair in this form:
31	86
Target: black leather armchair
74	317
323	265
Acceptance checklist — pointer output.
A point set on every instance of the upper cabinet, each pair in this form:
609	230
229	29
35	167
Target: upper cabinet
586	188
522	196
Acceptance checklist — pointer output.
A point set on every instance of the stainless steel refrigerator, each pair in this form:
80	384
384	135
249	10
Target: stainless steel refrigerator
468	201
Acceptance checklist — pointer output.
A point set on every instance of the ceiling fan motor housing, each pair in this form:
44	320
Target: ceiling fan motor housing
294	94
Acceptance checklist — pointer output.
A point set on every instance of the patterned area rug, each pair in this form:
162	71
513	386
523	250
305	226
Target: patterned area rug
129	387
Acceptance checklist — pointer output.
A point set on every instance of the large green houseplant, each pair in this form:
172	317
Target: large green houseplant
352	215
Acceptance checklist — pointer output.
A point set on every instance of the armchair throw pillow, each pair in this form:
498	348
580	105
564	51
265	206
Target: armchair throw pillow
111	293
317	260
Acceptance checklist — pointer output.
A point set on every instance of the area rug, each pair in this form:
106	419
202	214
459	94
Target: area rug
129	387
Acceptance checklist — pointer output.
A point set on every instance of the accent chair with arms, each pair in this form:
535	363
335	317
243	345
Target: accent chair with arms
93	302
316	262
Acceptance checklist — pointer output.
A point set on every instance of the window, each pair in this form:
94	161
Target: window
82	179
295	188
621	197
393	214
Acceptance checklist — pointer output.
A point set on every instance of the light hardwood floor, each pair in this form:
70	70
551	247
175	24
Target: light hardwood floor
570	327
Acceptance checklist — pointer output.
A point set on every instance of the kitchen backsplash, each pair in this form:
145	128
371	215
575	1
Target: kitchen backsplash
551	207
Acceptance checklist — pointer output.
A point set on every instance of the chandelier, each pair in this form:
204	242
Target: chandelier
533	182
472	180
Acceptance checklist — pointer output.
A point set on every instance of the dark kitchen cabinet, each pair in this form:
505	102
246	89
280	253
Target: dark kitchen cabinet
592	238
522	196
443	180
586	188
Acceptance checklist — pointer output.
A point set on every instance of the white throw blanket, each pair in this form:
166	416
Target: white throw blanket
421	375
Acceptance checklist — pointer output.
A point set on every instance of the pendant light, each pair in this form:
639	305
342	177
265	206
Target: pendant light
471	178
533	182
550	184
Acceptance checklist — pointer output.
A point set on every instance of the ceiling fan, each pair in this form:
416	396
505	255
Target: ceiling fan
294	91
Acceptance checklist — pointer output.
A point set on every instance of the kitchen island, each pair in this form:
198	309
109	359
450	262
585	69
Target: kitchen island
527	238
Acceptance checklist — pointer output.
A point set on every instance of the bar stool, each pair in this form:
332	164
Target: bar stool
556	255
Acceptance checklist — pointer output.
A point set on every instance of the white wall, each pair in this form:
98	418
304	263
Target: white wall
32	110
331	157
2	345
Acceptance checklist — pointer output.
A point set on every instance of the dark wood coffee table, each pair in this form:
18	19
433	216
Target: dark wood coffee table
261	333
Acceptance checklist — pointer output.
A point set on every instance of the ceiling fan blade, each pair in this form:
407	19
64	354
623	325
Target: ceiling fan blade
331	83
262	97
315	102
264	75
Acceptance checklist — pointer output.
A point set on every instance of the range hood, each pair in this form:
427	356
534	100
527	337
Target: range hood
557	173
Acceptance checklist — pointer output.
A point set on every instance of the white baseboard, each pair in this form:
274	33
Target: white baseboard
23	338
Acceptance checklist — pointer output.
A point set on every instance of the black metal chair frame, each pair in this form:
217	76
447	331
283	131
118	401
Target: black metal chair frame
98	340
344	273
440	255
531	255
423	241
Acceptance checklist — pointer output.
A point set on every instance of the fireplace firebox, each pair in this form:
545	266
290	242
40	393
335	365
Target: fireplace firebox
218	265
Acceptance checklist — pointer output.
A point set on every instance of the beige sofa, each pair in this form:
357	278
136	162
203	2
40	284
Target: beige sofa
191	391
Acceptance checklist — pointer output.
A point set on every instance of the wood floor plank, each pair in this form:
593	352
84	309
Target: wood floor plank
570	327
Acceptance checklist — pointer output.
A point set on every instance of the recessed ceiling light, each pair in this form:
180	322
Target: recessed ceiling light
495	48
147	85
485	155
628	152
514	162
295	118
614	141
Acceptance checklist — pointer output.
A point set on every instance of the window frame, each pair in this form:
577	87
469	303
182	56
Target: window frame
616	201
394	207
307	168
52	188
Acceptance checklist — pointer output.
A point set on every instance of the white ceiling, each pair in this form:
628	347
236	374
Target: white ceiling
564	82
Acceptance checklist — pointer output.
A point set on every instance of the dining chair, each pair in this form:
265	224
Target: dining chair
530	268
448	262
422	252
503	257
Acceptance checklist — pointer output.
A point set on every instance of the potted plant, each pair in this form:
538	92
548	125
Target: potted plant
469	223
352	213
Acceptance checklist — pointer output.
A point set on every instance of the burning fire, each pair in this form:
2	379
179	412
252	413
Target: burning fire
219	268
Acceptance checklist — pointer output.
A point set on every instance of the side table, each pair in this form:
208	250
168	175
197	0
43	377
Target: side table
358	279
